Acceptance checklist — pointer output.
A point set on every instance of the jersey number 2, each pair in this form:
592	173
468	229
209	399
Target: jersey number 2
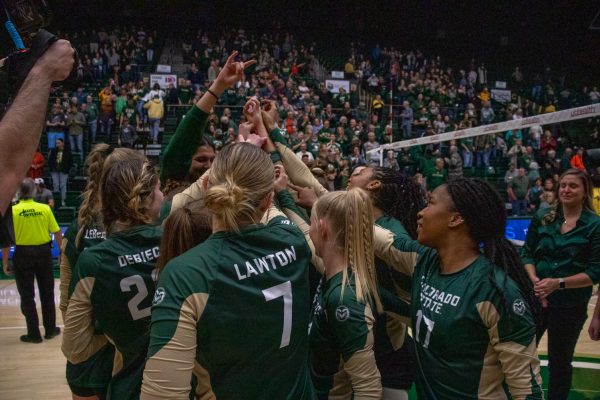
142	293
283	290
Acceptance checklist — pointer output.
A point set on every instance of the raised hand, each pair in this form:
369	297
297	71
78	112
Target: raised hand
56	63
253	113
246	135
232	72
269	114
306	196
281	178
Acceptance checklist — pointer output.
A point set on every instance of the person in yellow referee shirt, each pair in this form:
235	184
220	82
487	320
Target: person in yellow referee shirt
33	222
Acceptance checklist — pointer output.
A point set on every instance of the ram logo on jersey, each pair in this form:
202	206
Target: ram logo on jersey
159	296
260	265
519	307
342	313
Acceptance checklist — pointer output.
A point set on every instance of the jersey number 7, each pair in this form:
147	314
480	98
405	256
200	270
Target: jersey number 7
283	290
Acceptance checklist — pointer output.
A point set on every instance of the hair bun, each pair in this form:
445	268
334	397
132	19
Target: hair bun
224	197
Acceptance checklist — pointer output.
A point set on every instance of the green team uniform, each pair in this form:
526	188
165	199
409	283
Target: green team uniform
177	157
236	310
342	361
393	346
114	282
91	376
470	342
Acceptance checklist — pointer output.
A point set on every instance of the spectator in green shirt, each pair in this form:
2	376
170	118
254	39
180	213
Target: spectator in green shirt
437	175
562	257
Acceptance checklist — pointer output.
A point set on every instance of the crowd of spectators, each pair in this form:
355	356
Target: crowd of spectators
333	131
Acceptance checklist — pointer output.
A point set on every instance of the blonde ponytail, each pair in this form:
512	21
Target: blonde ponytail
350	217
240	178
359	245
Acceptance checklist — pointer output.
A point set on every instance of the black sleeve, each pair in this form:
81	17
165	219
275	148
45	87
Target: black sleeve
7	234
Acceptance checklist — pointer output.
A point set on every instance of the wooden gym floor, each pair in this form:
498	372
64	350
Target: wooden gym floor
37	371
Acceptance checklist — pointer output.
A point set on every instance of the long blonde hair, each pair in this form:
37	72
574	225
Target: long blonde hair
350	218
90	205
240	178
128	180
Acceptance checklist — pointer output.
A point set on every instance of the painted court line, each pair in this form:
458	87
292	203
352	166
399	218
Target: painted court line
12	328
576	364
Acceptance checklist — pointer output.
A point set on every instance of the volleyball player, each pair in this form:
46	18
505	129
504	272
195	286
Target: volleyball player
342	359
88	379
184	229
237	305
114	281
396	201
473	306
190	153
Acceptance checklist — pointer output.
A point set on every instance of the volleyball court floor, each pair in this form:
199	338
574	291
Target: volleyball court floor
37	371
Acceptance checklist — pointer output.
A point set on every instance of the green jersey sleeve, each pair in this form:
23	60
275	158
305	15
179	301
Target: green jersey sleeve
297	171
397	253
512	337
177	157
178	304
80	341
66	261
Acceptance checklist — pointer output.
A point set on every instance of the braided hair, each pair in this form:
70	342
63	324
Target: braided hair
483	210
399	197
128	180
90	204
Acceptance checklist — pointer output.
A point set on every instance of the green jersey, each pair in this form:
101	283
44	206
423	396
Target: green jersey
394	359
472	341
113	286
95	372
92	235
131	115
342	361
435	177
237	308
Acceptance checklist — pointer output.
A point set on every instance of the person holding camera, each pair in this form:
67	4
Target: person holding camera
22	124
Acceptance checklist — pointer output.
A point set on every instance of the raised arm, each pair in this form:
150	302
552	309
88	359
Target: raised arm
399	254
177	157
22	125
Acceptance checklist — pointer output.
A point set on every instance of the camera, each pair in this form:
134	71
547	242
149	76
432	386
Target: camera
25	20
